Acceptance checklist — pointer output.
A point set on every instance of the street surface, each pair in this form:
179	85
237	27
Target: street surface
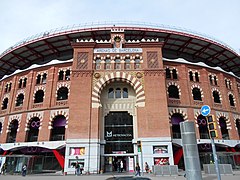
236	176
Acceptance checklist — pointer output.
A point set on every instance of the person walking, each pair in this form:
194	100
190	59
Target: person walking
137	168
77	169
24	170
121	166
81	168
4	169
146	167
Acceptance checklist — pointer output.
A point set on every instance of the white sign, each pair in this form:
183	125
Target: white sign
130	165
118	50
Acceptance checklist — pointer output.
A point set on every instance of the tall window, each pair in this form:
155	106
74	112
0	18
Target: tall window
224	130
125	93
118	93
33	130
98	64
238	126
110	93
20	83
175	76
127	64
137	64
19	101
216	97
11	136
62	93
231	100
39	95
168	73
197	94
117	64
173	92
67	75
5	103
107	64
191	76
171	73
203	127
175	120
60	75
196	76
58	128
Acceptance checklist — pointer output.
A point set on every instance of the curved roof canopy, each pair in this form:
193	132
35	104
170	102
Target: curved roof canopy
177	44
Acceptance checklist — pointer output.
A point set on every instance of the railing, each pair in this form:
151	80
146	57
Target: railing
54	32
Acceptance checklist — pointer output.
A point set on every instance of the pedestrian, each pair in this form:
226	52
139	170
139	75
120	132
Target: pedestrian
118	166
121	166
137	168
81	169
77	169
146	167
24	170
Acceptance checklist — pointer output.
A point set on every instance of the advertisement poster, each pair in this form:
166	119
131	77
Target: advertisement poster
161	161
160	149
131	166
77	151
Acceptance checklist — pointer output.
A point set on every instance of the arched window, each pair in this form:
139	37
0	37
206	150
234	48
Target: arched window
137	64
210	79
25	82
168	73
44	78
107	64
20	99
203	127
127	64
5	103
98	64
196	94
191	76
125	93
117	64
175	76
33	130
60	75
110	93
118	93
175	120
238	126
39	96
196	76
224	129
11	136
231	100
58	128
38	79
62	93
67	75
173	92
216	97
20	83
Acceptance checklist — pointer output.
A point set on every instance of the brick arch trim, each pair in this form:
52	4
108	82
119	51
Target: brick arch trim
63	84
228	122
179	111
2	121
197	86
57	113
219	93
174	84
235	120
38	115
198	113
134	82
15	117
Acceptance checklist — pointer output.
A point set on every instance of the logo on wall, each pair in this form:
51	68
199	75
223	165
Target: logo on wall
109	134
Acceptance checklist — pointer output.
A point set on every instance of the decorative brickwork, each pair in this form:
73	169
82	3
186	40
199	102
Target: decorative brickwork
82	61
152	60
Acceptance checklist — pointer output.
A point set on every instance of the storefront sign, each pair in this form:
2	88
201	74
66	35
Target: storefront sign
118	50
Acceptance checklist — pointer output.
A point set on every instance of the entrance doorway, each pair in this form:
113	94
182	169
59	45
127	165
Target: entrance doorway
113	164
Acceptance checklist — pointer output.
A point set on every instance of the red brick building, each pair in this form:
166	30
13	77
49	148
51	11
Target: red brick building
92	94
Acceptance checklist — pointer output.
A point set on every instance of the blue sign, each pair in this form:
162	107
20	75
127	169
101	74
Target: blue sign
205	110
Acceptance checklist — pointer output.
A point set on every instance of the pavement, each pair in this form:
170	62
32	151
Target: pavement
58	176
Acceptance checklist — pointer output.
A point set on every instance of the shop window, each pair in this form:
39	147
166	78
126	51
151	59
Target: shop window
216	97
19	101
5	104
62	93
197	94
39	95
173	92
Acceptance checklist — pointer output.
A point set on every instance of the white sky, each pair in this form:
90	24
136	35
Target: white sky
20	19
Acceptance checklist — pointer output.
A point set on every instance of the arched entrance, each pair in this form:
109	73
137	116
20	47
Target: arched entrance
118	126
